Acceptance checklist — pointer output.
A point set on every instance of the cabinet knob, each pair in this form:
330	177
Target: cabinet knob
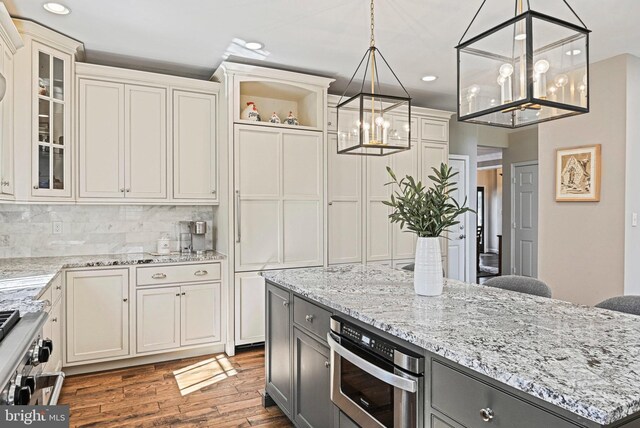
125	300
183	293
486	414
327	364
58	287
177	294
159	276
309	318
213	192
285	303
127	190
122	190
330	203
54	319
35	187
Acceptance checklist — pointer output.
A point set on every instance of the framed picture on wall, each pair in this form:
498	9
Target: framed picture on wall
578	174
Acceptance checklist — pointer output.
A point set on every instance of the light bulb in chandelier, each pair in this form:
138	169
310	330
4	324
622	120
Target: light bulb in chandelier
540	69
541	66
561	80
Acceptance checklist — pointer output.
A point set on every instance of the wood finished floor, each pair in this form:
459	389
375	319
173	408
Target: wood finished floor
221	392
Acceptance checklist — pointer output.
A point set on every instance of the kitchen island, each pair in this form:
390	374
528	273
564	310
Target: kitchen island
527	361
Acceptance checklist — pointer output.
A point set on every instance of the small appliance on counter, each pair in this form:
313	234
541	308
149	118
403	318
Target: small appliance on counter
193	237
164	245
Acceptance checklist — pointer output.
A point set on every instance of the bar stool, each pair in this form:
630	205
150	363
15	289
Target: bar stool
521	284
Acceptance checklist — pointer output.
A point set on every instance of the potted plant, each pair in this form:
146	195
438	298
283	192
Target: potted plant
428	213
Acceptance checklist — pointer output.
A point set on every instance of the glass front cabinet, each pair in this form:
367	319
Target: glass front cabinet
51	155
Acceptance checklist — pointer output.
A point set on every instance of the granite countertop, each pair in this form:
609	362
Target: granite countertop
585	360
22	280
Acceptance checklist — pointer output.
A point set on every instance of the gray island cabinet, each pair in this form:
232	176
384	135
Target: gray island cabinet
492	358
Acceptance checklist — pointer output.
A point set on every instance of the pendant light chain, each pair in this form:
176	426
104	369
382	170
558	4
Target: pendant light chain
373	41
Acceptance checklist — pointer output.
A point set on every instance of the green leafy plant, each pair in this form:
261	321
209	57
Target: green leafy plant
426	212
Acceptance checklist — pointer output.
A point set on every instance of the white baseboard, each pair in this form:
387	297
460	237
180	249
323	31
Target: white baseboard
148	359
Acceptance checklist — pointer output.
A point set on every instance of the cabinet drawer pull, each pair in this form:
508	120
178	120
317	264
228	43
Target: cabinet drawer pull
159	276
486	414
201	273
58	287
309	318
285	303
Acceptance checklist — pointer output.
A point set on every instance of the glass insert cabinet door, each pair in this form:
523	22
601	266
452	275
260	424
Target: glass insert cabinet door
51	173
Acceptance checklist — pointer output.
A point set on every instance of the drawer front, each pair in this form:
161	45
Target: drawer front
154	275
435	130
463	398
312	318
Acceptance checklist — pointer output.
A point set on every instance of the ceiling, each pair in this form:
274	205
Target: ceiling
326	37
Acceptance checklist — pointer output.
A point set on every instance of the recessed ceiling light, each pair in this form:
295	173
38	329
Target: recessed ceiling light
57	8
254	46
521	36
429	78
573	52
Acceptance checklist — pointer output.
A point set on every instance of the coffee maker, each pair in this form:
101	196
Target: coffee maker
193	237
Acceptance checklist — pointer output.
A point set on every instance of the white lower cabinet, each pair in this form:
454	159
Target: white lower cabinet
200	314
158	319
249	308
52	329
171	317
97	314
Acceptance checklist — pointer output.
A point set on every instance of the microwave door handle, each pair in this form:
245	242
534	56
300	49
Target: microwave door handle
385	376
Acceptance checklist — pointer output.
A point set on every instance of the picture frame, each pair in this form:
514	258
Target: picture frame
578	174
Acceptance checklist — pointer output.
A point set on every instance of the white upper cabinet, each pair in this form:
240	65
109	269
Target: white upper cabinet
122	141
144	139
101	139
195	161
10	42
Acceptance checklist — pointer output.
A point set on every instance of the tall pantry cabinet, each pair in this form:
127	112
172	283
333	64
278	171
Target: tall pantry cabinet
276	189
358	224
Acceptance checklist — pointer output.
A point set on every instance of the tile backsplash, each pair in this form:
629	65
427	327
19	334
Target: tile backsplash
27	230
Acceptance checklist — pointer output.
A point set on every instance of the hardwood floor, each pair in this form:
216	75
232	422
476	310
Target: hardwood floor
208	391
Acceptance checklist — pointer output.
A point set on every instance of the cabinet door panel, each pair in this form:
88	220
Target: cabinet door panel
158	319
259	236
200	321
313	406
379	235
258	156
195	174
97	314
145	142
302	233
6	125
302	165
55	319
278	347
345	206
101	139
249	308
431	156
404	243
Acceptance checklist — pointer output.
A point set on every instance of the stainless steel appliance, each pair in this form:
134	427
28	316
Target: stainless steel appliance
23	353
374	381
194	239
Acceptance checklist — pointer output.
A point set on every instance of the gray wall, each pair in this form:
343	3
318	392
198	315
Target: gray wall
26	230
632	184
523	146
582	244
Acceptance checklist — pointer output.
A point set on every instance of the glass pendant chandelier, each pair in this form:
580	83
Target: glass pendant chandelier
373	122
532	68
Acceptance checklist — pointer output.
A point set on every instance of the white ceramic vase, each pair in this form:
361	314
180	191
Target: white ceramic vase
428	279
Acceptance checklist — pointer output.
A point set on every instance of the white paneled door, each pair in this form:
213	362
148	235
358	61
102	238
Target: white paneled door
278	198
458	260
524	219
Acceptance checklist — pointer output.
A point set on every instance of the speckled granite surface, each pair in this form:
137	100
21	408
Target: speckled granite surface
585	360
22	280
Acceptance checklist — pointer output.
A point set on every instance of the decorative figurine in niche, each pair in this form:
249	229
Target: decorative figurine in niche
291	119
274	118
250	112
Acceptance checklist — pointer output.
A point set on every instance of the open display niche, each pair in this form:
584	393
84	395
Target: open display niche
281	98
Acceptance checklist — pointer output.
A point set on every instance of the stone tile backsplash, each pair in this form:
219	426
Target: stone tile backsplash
27	230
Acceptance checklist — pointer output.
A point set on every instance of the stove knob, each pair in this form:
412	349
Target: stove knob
19	395
43	354
26	381
46	343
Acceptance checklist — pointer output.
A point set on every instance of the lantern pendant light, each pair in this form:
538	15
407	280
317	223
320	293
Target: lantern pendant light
373	122
530	69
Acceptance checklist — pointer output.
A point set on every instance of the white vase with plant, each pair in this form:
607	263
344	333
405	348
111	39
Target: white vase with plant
429	213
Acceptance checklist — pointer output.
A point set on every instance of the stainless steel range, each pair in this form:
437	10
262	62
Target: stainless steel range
23	355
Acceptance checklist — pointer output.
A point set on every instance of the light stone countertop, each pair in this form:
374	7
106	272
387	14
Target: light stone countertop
22	280
585	360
